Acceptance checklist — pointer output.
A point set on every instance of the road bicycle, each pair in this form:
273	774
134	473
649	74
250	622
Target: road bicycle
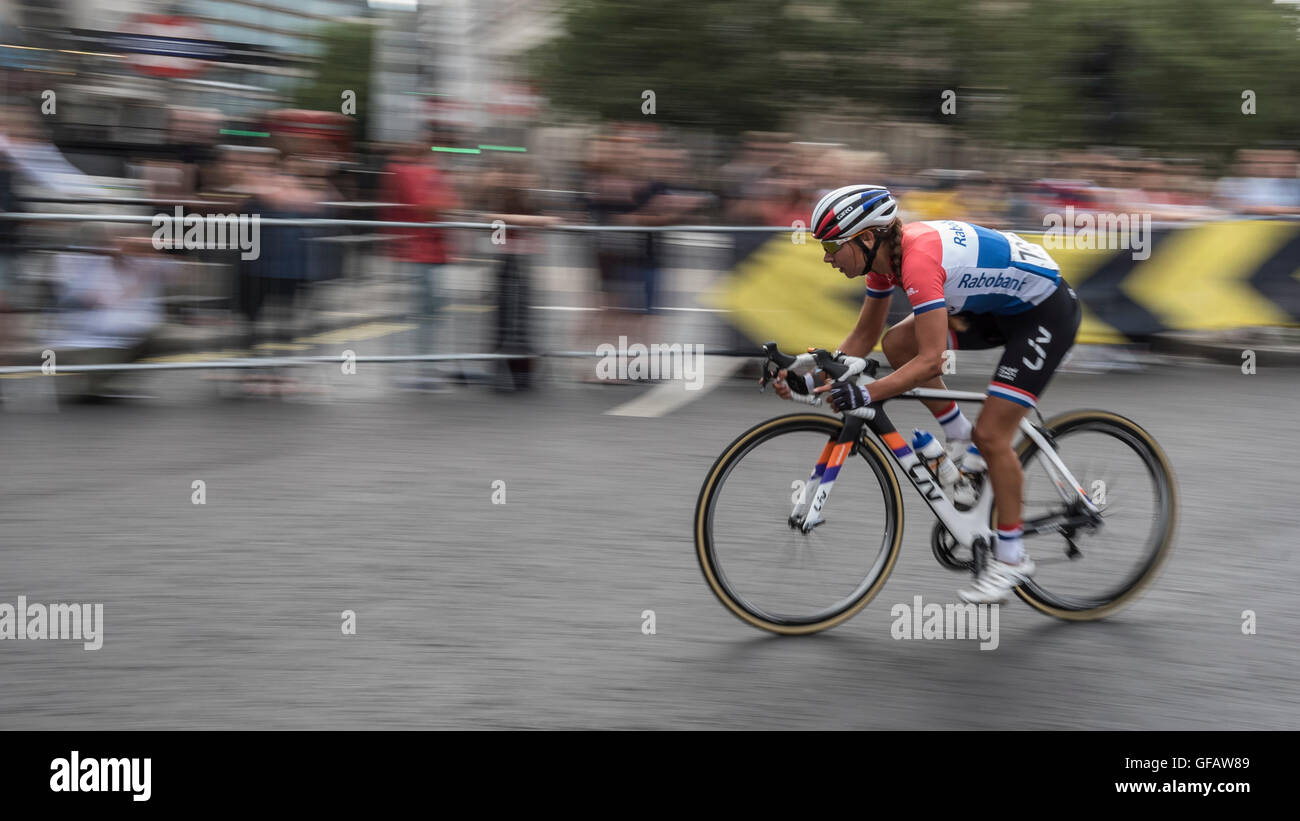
1099	517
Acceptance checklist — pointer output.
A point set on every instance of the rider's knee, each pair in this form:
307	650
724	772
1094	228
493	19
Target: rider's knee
988	439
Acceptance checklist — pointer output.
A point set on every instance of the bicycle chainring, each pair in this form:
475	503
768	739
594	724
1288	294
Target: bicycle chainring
950	554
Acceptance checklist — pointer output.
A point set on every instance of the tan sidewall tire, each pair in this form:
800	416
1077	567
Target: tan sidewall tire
832	425
1166	544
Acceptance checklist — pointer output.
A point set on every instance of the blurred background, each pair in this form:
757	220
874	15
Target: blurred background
704	132
618	114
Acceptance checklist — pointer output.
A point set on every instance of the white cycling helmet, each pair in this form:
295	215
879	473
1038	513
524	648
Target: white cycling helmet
846	212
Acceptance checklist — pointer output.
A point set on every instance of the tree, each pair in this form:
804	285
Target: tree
344	66
720	66
1163	74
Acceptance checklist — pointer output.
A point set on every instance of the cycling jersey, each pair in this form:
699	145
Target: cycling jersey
968	269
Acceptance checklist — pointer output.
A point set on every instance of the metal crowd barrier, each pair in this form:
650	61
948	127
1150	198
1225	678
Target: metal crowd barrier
288	361
263	362
292	361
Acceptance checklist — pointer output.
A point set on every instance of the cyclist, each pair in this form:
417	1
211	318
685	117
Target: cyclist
998	290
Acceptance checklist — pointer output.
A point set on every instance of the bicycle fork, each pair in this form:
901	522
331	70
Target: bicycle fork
807	512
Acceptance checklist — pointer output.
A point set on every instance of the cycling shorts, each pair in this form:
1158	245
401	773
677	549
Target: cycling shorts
1036	341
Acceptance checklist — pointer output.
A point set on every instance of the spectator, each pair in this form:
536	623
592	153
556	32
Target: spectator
26	155
657	200
276	279
1265	184
609	196
783	200
109	309
8	250
32	156
746	184
423	194
507	197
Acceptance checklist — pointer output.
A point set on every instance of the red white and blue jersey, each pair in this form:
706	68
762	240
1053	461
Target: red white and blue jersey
968	268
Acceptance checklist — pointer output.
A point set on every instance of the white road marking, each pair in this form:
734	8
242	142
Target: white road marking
670	395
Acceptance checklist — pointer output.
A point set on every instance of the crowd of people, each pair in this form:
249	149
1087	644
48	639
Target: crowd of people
96	287
774	180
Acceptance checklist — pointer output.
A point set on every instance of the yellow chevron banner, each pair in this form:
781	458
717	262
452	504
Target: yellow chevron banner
1203	277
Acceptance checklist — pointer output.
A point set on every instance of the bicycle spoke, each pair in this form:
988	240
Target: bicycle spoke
785	575
1110	463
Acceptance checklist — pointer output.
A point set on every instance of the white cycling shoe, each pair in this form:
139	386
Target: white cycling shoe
966	456
995	583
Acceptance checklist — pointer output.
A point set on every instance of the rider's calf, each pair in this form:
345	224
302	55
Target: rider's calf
989	439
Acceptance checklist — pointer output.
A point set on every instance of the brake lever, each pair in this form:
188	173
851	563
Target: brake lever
774	363
827	363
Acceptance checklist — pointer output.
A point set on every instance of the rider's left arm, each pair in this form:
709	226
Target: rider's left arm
932	341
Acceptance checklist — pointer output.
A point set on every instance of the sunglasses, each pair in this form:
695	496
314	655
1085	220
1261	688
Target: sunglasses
830	246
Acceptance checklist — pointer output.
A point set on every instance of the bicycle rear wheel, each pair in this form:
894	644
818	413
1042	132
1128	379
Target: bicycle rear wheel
1095	572
777	577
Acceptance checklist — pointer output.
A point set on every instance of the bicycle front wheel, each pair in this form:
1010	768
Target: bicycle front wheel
1095	572
780	578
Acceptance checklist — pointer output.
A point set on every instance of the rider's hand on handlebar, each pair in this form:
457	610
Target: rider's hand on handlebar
845	396
785	386
779	385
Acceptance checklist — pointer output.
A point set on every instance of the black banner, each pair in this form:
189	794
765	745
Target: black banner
1061	772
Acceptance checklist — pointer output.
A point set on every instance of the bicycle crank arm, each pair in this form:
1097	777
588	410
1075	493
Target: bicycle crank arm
1057	523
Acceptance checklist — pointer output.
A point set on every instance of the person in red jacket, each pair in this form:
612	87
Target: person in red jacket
422	193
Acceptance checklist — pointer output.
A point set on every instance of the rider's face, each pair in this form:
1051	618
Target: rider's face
848	258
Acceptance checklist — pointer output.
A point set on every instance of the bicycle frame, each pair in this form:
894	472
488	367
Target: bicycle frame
968	526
